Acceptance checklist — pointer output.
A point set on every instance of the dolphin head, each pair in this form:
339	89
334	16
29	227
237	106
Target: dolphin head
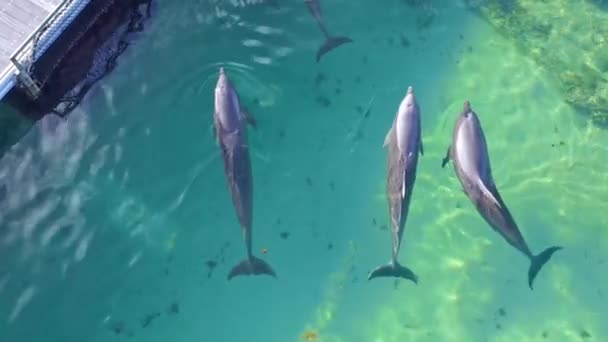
410	101
469	117
466	108
222	82
226	102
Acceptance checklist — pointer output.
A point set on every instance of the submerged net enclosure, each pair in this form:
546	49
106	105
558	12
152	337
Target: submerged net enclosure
85	52
573	48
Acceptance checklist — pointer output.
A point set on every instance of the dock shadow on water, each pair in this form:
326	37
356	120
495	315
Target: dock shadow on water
124	218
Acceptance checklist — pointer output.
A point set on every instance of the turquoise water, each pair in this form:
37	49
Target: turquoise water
117	224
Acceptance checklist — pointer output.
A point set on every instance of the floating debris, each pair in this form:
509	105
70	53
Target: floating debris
149	318
211	264
323	101
310	336
118	327
404	41
320	78
173	309
308	181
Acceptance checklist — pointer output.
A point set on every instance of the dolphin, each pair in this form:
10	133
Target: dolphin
230	121
331	42
469	153
404	141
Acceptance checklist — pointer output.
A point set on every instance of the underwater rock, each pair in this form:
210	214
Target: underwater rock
567	39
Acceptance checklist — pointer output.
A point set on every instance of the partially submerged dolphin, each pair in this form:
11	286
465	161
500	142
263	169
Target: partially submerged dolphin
404	141
331	42
230	122
469	154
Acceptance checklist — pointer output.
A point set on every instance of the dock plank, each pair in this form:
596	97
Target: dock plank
18	19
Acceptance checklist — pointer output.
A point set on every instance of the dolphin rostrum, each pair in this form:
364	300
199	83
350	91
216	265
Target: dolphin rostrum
469	153
404	141
331	42
230	121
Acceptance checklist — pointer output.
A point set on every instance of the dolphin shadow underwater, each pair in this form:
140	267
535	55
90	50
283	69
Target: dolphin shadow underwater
469	154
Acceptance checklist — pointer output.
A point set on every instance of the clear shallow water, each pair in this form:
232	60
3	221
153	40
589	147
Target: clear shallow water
110	219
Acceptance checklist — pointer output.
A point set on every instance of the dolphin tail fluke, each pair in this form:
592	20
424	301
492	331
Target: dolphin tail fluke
393	270
330	44
538	261
251	266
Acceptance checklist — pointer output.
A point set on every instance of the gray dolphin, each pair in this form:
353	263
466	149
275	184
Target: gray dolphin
331	42
230	122
469	153
404	141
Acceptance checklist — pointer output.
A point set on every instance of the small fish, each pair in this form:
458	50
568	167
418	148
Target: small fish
331	42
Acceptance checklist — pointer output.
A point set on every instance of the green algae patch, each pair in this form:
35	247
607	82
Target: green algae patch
568	38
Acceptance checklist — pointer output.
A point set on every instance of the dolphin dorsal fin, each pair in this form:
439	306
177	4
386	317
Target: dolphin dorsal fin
487	193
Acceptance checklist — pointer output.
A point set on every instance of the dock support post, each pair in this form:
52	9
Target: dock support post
31	88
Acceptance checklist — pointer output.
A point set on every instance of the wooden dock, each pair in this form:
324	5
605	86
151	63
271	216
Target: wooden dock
18	20
27	29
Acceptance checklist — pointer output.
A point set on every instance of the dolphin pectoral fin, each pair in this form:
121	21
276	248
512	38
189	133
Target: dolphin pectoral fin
538	261
251	266
421	148
250	119
488	194
393	270
447	158
387	137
